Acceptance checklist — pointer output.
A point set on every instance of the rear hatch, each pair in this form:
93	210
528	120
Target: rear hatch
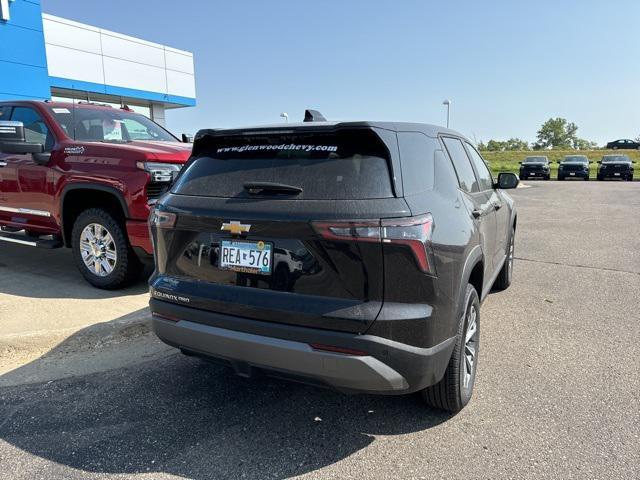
261	225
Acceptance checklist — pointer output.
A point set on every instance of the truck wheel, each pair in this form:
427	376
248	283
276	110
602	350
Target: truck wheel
454	391
101	250
504	277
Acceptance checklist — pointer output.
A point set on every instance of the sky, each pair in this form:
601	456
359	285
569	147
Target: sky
507	66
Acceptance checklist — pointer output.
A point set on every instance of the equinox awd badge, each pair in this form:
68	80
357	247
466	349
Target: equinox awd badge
235	227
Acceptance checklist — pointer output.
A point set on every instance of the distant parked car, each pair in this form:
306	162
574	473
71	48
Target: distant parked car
615	166
536	167
624	144
574	166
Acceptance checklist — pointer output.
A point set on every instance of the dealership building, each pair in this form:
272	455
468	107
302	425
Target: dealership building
47	57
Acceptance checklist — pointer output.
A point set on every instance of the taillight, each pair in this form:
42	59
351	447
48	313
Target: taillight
414	232
162	219
361	231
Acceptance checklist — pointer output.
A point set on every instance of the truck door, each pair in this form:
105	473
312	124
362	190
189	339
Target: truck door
26	192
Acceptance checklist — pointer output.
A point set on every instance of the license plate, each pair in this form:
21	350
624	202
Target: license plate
617	174
532	174
246	257
572	174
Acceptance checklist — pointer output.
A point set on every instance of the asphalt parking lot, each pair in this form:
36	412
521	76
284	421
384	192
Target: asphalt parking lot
557	394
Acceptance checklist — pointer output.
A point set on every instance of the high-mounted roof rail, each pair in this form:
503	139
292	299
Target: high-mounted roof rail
313	116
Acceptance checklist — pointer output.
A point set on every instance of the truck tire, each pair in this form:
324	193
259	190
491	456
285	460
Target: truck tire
454	391
101	250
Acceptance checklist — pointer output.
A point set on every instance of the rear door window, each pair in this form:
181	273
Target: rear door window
484	175
461	163
345	165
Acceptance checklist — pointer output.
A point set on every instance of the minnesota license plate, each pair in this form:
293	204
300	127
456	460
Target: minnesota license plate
246	257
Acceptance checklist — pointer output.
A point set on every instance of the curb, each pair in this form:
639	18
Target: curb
87	337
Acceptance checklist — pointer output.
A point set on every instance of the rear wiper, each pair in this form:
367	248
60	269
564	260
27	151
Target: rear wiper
261	187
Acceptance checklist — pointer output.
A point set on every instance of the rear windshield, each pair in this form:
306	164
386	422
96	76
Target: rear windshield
344	165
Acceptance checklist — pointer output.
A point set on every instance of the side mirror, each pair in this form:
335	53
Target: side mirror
598	161
519	163
12	139
507	180
187	138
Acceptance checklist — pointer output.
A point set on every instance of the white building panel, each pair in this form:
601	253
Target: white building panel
179	61
74	64
77	51
181	84
126	49
122	73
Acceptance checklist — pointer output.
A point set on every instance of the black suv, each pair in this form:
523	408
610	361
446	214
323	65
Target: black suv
535	167
574	166
352	255
615	166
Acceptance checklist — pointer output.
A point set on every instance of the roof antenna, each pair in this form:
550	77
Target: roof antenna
313	116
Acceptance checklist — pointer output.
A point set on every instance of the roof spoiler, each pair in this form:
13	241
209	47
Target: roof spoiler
313	116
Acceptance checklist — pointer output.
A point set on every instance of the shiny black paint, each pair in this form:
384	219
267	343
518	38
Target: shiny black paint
367	288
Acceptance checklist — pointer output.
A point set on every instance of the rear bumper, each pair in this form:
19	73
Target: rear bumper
251	346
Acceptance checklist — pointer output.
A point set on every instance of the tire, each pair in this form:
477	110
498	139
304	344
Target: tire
630	178
454	391
600	178
548	177
503	280
586	179
115	271
560	179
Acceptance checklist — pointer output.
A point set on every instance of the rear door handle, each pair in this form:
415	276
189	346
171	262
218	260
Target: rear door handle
497	205
477	213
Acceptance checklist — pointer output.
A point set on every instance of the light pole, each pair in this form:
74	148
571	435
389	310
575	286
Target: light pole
285	115
448	104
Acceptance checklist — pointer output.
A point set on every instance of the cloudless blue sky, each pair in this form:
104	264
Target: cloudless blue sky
507	65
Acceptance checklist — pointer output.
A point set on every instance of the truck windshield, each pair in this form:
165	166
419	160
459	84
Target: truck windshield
108	125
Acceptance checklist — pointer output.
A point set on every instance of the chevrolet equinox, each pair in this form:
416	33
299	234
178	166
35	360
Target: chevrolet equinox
352	255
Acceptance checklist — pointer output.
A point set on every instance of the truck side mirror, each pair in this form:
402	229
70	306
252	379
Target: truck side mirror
507	180
187	138
12	139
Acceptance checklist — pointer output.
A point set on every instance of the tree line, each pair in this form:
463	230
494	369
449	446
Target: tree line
555	133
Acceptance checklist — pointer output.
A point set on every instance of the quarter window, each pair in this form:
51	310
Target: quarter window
484	175
462	164
417	154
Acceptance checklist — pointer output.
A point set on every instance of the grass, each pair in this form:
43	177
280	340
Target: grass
508	161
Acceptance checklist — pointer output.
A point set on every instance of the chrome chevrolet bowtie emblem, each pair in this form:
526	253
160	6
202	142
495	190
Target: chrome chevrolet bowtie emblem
235	227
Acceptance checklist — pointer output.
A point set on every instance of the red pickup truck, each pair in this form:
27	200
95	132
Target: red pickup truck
84	176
